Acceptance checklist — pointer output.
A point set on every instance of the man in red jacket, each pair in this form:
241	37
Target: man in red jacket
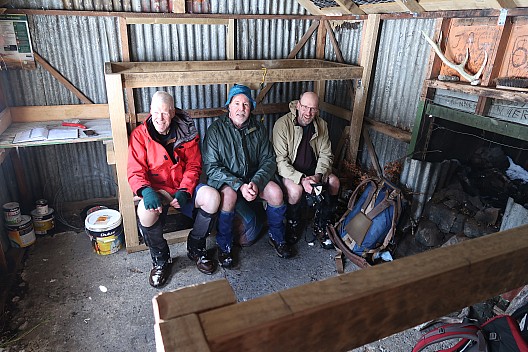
164	158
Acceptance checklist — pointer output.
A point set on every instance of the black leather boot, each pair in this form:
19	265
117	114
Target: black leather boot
197	240
294	223
159	251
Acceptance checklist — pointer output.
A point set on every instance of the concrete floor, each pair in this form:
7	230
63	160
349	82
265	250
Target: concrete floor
63	306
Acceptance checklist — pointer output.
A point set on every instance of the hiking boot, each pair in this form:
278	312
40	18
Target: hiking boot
283	249
159	275
293	232
203	264
225	259
324	239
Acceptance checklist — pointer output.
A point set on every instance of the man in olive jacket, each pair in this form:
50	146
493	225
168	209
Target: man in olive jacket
239	161
304	158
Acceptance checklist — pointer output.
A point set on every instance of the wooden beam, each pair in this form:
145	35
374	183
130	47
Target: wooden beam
339	56
496	58
58	112
171	237
337	111
125	54
195	299
350	7
389	130
116	103
300	44
218	65
372	152
400	294
508	4
410	5
161	79
389	10
61	78
181	334
495	93
320	86
198	21
435	63
368	51
5	119
310	7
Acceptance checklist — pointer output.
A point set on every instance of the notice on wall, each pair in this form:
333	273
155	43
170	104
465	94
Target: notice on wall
16	51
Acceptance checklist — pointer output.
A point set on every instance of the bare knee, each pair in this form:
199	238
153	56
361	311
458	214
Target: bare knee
208	199
293	191
146	217
272	193
333	184
228	199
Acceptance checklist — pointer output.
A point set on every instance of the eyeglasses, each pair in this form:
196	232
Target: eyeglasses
309	109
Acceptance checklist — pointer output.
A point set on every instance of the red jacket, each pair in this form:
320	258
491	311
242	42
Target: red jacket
149	165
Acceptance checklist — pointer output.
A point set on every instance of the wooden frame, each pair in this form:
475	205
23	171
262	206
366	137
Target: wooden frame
122	75
374	302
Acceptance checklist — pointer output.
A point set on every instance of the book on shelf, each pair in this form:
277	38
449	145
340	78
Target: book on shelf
43	134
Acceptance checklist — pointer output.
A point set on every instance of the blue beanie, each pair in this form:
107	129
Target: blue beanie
240	89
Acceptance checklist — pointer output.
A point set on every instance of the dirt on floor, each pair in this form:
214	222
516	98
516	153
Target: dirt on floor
69	298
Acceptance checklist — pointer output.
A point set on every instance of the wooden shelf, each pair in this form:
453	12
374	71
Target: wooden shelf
100	126
187	73
488	92
16	119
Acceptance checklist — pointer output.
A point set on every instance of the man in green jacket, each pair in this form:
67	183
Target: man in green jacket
304	158
239	162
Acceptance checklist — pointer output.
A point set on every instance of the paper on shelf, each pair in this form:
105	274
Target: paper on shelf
42	134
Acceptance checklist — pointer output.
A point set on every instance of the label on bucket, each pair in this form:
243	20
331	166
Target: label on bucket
22	235
12	213
107	245
42	223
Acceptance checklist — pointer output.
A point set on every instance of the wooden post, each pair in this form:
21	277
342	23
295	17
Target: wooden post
435	63
125	54
410	5
496	58
320	86
368	51
114	89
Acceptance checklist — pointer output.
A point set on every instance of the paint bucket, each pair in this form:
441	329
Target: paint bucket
42	223
105	229
22	234
12	213
41	207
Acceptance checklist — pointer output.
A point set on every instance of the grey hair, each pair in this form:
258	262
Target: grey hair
162	97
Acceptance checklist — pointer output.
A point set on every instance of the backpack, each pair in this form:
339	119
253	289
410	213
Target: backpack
369	223
499	334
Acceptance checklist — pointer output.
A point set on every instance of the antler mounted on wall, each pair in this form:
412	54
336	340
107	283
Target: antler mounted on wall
473	79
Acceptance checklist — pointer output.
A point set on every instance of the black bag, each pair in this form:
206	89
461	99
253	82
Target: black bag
499	334
369	224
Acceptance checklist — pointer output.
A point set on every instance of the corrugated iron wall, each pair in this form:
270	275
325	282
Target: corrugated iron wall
78	47
396	87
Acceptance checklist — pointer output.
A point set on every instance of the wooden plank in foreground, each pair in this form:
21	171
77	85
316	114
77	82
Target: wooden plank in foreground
192	299
180	334
348	311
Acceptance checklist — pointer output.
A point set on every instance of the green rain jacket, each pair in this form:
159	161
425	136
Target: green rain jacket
235	156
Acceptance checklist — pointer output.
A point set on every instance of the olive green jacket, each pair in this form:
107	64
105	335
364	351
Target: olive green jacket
235	156
287	137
